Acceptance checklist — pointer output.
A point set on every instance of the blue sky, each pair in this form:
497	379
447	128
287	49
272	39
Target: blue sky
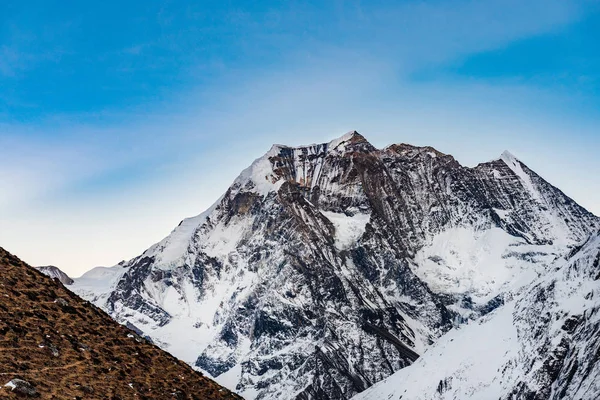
118	119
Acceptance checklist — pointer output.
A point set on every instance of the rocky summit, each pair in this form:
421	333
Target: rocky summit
326	268
54	345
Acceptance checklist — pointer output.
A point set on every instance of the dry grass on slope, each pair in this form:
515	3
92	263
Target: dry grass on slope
66	348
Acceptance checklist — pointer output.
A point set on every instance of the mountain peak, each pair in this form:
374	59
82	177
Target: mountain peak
349	137
290	285
55	272
296	163
508	158
514	164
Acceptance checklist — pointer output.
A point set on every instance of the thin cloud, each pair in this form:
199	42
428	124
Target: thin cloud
182	152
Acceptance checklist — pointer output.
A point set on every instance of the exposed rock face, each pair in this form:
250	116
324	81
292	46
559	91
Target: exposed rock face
54	345
326	268
21	387
55	272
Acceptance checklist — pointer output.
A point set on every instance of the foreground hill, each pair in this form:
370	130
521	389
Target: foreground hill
326	268
54	345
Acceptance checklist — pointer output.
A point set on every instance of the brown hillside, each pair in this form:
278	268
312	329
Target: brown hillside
66	348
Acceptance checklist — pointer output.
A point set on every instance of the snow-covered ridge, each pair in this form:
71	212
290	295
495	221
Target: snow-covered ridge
539	345
98	283
171	251
55	272
463	364
515	165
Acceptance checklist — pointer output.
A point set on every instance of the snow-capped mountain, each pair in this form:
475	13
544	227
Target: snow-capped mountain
55	272
543	344
326	268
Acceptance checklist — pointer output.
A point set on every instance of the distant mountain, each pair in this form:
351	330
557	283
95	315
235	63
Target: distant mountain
57	346
326	268
543	344
55	272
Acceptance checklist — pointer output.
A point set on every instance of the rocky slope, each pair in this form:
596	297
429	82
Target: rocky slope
54	345
543	344
326	268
